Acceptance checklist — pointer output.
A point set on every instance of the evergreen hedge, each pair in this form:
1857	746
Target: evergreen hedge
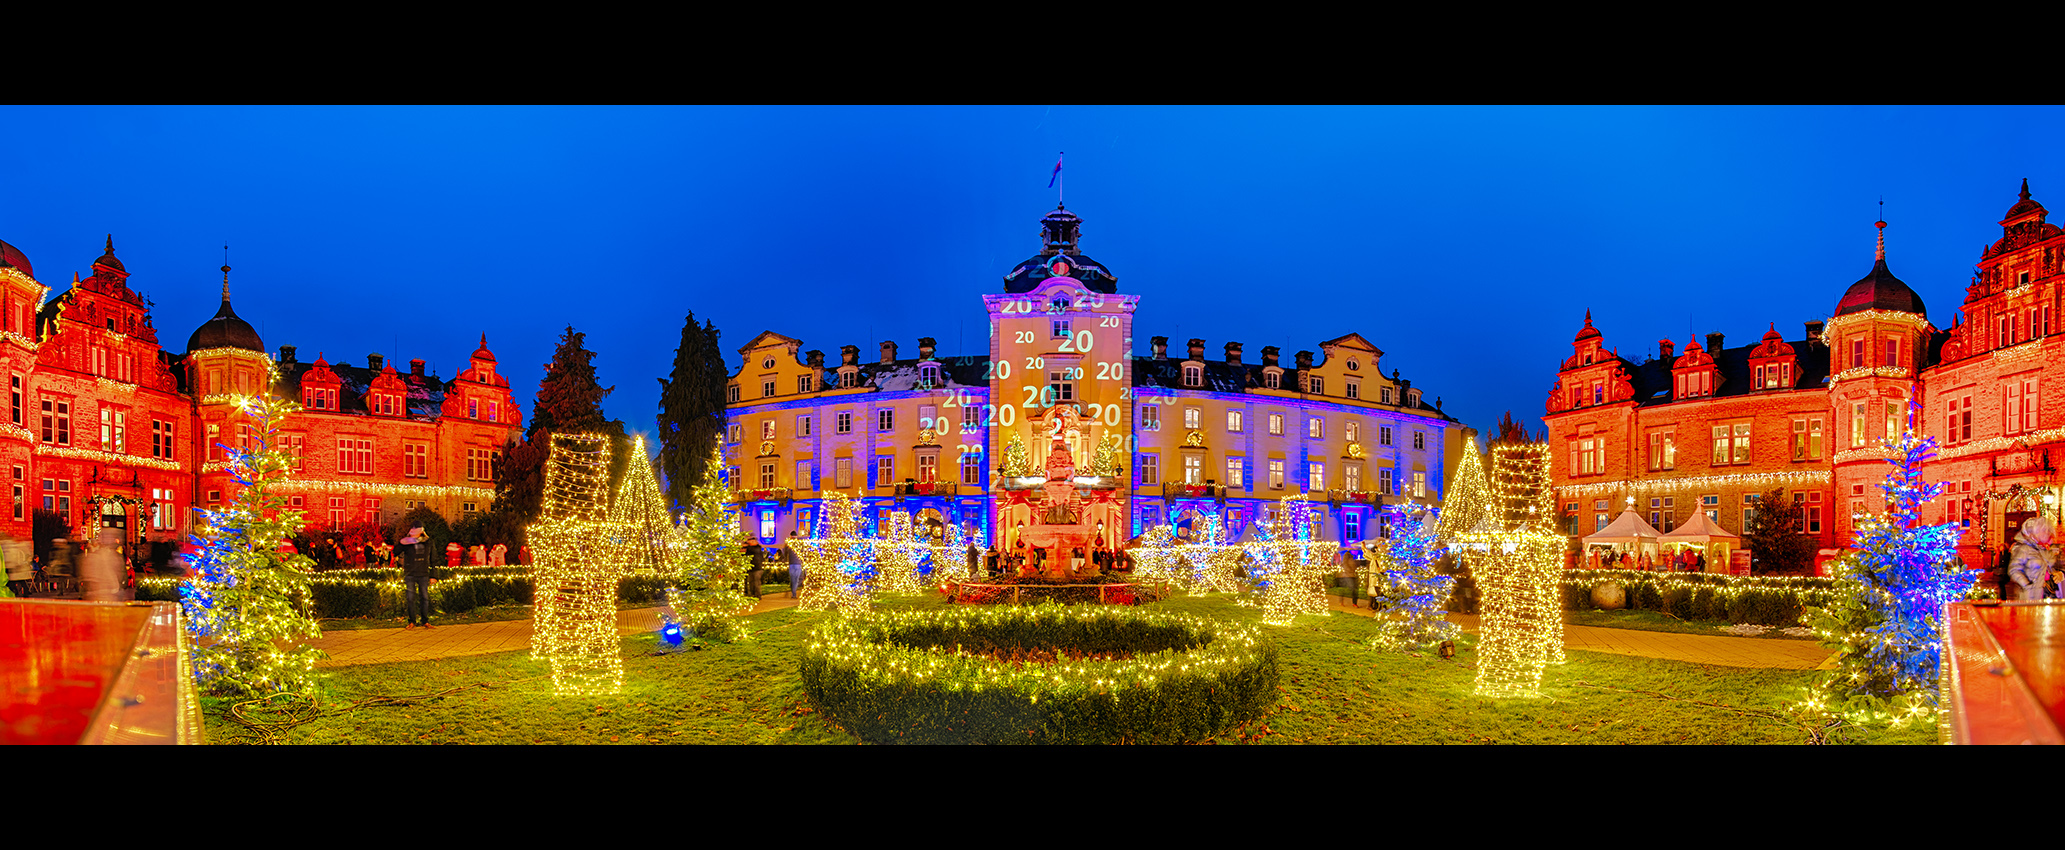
1776	601
919	677
378	592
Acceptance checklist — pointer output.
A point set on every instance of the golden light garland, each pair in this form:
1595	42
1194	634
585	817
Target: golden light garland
16	431
111	457
1856	372
1289	563
316	485
1995	444
1521	625
2013	353
1829	332
1763	480
577	552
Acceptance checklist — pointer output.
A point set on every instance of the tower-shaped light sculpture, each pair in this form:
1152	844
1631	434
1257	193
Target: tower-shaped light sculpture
578	552
1522	626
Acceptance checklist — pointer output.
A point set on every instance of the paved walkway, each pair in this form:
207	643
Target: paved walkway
381	646
1720	650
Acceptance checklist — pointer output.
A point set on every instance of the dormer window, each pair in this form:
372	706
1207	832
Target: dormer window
1193	376
1412	398
1316	385
849	380
928	376
1272	380
1058	305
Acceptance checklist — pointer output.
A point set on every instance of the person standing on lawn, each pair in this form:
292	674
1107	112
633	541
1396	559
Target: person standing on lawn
415	555
795	566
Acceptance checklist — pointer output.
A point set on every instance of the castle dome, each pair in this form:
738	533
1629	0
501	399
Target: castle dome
226	329
1880	290
14	257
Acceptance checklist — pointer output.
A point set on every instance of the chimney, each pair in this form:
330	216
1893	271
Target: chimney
888	353
286	354
815	358
1666	350
1197	349
1713	345
1161	347
1269	355
1814	333
849	355
375	361
1304	360
416	367
1233	353
926	345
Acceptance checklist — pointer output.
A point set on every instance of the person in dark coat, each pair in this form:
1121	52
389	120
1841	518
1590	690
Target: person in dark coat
415	555
795	566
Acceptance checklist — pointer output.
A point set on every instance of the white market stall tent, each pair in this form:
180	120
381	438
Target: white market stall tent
1703	533
1627	533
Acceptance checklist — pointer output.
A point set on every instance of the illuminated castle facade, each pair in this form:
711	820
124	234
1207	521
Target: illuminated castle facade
107	429
1710	429
967	440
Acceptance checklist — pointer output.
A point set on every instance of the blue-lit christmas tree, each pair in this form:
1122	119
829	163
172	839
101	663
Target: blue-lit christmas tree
1885	619
1403	582
246	606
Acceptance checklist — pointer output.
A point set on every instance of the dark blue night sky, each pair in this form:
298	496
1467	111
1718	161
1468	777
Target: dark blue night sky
1465	242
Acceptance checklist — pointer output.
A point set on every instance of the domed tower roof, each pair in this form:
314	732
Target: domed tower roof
1061	234
2022	207
108	258
13	256
1880	290
482	353
225	329
1588	332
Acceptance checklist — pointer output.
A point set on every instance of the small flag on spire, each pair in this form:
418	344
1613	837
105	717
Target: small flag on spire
1057	172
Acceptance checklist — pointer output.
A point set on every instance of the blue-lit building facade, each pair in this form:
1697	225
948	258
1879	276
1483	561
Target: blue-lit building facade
968	440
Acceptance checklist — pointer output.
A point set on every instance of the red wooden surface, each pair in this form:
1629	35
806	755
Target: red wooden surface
2033	639
57	662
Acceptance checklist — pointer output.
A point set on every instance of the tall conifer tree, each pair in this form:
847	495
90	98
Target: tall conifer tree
570	402
691	410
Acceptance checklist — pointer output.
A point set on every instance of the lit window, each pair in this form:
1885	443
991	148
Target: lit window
1192	417
1233	420
1315	428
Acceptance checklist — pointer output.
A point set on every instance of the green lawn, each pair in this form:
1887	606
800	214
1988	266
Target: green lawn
1658	621
1336	690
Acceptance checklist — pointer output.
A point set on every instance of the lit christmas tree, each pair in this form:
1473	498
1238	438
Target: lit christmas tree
1886	618
1017	459
1405	583
708	561
247	606
1468	502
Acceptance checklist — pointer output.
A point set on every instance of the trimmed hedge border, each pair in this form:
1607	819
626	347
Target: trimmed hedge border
377	592
1776	601
916	677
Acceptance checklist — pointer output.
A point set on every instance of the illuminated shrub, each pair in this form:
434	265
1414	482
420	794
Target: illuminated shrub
1040	675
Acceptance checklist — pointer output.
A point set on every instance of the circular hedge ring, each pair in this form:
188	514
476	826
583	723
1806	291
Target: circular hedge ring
1046	674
